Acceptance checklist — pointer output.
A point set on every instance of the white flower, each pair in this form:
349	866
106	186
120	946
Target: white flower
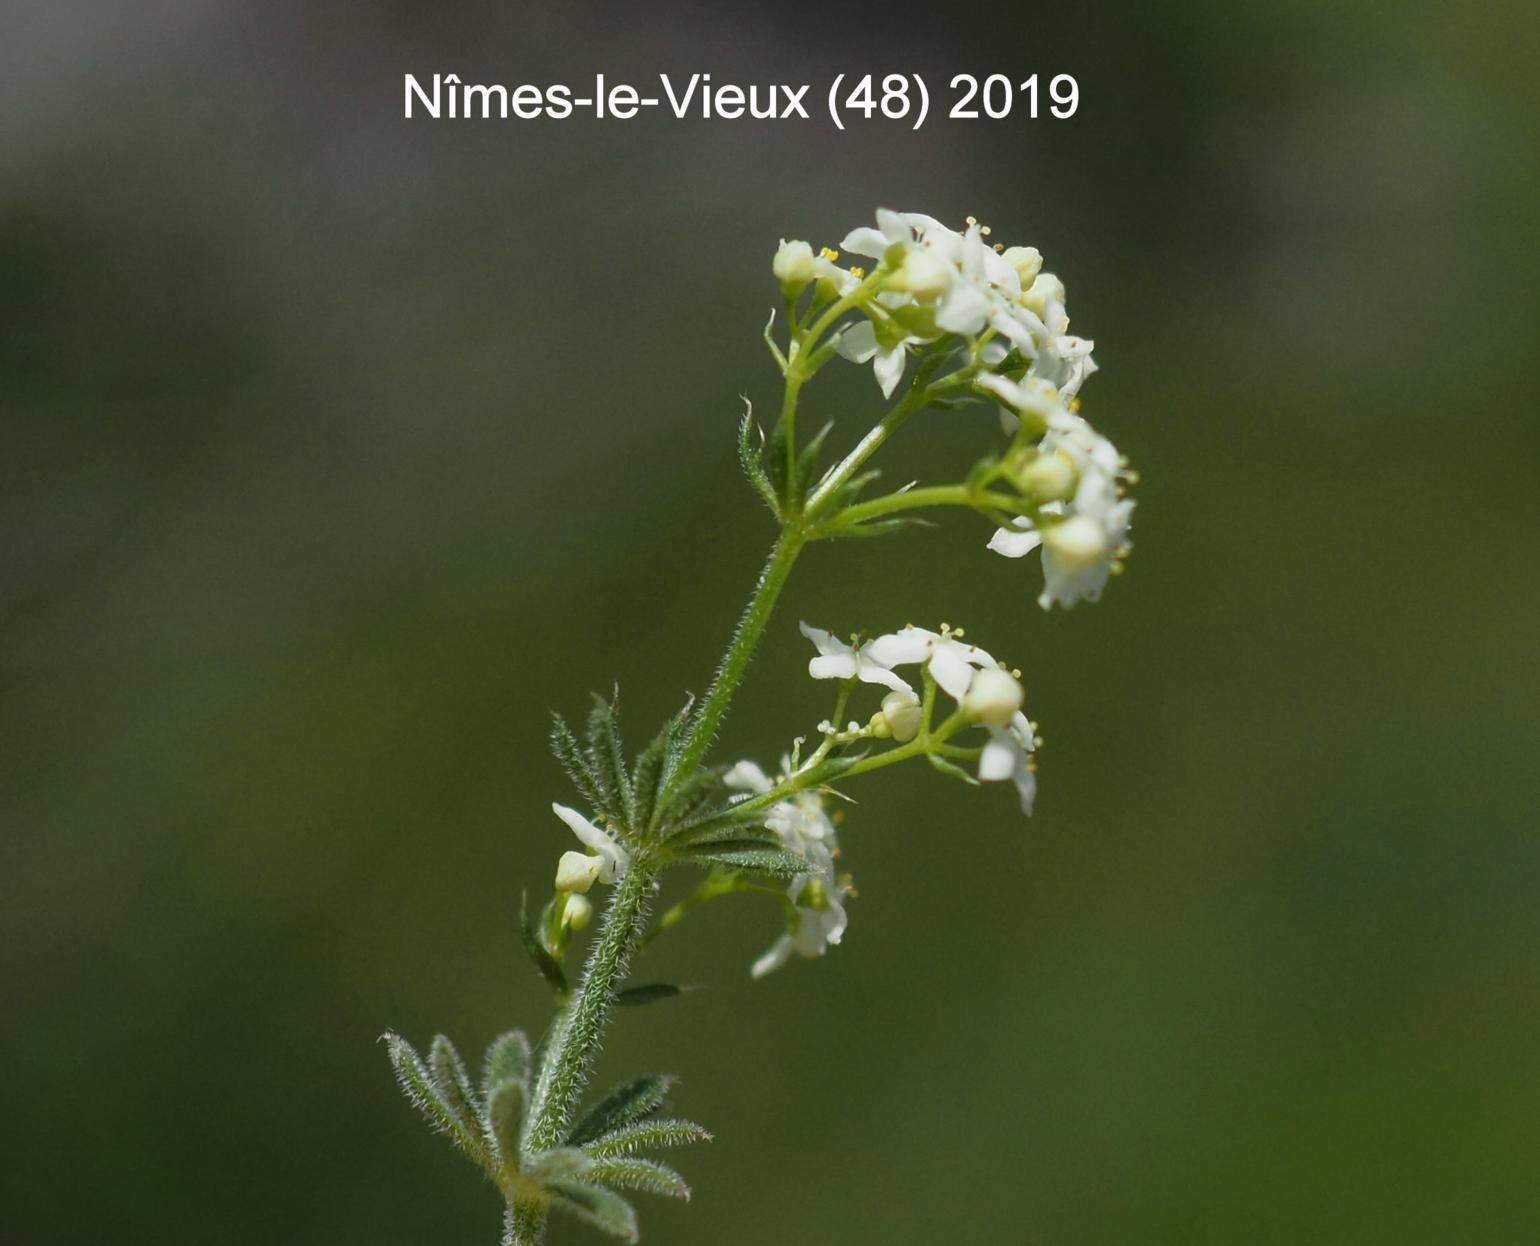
804	827
1065	364
1081	548
952	662
901	715
993	697
613	858
1008	755
577	871
859	343
837	660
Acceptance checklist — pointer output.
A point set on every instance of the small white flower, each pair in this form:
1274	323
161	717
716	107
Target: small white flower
1080	548
901	714
952	662
837	660
1008	755
859	344
577	871
819	923
613	858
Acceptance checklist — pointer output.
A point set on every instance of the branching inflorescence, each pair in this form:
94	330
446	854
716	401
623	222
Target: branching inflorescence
966	322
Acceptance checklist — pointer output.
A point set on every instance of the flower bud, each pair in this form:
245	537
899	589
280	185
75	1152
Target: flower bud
1079	542
1048	478
993	697
576	871
922	275
901	713
577	913
1027	261
793	265
1047	290
814	895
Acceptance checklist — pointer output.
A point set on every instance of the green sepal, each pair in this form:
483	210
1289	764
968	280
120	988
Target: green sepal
630	1173
750	856
647	993
417	1084
603	1209
549	967
629	1102
648	1133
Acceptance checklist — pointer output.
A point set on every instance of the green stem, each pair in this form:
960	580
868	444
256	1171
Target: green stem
565	1070
524	1223
917	499
736	660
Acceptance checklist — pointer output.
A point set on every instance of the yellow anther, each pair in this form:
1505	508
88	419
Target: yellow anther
1074	404
858	272
971	220
985	230
829	253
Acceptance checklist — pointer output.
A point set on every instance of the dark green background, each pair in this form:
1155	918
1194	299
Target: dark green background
338	450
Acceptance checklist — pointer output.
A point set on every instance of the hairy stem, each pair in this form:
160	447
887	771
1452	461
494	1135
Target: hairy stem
736	660
524	1223
566	1068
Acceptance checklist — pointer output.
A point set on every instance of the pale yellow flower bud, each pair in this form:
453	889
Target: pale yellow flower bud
1027	261
577	871
901	713
793	264
993	697
577	913
1079	542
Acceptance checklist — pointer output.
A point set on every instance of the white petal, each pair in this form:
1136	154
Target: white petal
859	342
951	671
890	369
895	228
912	644
747	776
873	672
965	309
1015	544
778	955
998	760
833	666
613	854
866	241
823	641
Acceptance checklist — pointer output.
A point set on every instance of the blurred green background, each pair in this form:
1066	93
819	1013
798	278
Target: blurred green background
338	450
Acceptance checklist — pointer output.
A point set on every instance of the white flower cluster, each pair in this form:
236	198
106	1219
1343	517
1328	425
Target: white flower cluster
817	897
988	692
933	283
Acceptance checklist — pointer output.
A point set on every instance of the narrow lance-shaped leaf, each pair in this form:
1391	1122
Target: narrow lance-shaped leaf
647	993
603	1209
508	1059
627	1172
417	1084
506	1105
451	1081
750	856
560	1164
749	460
628	1102
570	754
642	1135
606	758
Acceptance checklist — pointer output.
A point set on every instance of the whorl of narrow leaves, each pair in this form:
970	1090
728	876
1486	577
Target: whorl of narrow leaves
626	1104
418	1084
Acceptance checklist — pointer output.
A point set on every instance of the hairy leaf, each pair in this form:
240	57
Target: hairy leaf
751	856
570	754
417	1084
723	826
451	1081
628	1102
558	1164
640	1135
749	459
507	1060
549	967
603	1209
505	1117
627	1172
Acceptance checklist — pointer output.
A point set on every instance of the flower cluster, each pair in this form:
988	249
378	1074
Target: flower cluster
938	289
815	899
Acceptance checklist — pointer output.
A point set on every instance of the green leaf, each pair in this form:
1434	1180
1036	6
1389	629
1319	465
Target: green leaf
752	856
808	459
507	1060
627	1103
723	826
417	1084
549	967
451	1081
647	993
882	527
951	771
558	1164
640	1135
749	459
570	754
773	455
505	1117
603	1209
627	1172
606	757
